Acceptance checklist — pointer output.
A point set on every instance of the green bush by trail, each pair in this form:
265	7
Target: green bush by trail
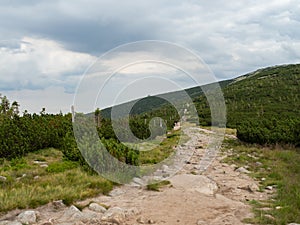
20	135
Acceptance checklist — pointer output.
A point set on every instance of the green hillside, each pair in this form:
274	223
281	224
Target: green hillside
263	105
153	103
270	92
267	99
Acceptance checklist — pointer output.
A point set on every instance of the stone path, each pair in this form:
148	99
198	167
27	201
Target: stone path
202	192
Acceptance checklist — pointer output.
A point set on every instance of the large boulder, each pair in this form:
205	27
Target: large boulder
27	217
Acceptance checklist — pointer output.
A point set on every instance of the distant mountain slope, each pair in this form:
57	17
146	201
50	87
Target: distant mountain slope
265	93
264	105
151	103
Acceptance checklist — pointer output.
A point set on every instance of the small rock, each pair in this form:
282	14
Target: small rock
97	208
141	220
242	170
293	224
132	212
164	168
250	188
269	217
233	166
36	177
197	167
258	164
263	179
39	162
116	192
27	217
44	165
72	213
138	180
114	215
201	222
58	204
253	187
270	188
2	178
151	221
278	207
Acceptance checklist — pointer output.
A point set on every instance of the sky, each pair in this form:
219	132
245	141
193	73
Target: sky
46	47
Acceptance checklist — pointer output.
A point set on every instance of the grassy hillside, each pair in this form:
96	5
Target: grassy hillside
152	103
266	93
268	98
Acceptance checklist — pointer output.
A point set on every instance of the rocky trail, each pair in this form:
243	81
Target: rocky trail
199	194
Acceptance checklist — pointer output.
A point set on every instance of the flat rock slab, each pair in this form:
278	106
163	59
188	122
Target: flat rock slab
190	182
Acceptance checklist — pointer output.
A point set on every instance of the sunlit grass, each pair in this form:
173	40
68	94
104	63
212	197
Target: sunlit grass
281	169
29	185
163	150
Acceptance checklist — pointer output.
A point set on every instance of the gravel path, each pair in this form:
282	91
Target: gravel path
203	192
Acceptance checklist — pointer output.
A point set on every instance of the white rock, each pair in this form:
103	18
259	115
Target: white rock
114	215
141	220
253	187
242	170
164	168
269	217
97	208
2	178
72	213
27	217
132	212
270	188
116	192
138	181
258	164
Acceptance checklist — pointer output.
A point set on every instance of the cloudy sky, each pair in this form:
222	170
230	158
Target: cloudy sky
46	46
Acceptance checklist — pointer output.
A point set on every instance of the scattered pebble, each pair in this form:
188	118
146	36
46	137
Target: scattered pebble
242	170
270	188
2	178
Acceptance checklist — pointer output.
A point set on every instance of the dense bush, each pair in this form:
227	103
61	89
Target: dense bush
20	135
270	131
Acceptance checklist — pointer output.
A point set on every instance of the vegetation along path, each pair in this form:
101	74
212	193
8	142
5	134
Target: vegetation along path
218	195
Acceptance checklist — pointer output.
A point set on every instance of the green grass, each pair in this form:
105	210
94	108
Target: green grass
156	186
281	168
29	185
163	150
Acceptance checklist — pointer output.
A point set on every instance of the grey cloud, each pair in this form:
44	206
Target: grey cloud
233	37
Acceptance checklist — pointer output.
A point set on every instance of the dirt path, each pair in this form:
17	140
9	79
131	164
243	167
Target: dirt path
216	196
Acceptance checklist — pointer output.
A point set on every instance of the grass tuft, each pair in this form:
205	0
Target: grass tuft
156	186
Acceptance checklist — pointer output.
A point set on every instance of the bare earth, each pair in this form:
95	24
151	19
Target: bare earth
217	196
